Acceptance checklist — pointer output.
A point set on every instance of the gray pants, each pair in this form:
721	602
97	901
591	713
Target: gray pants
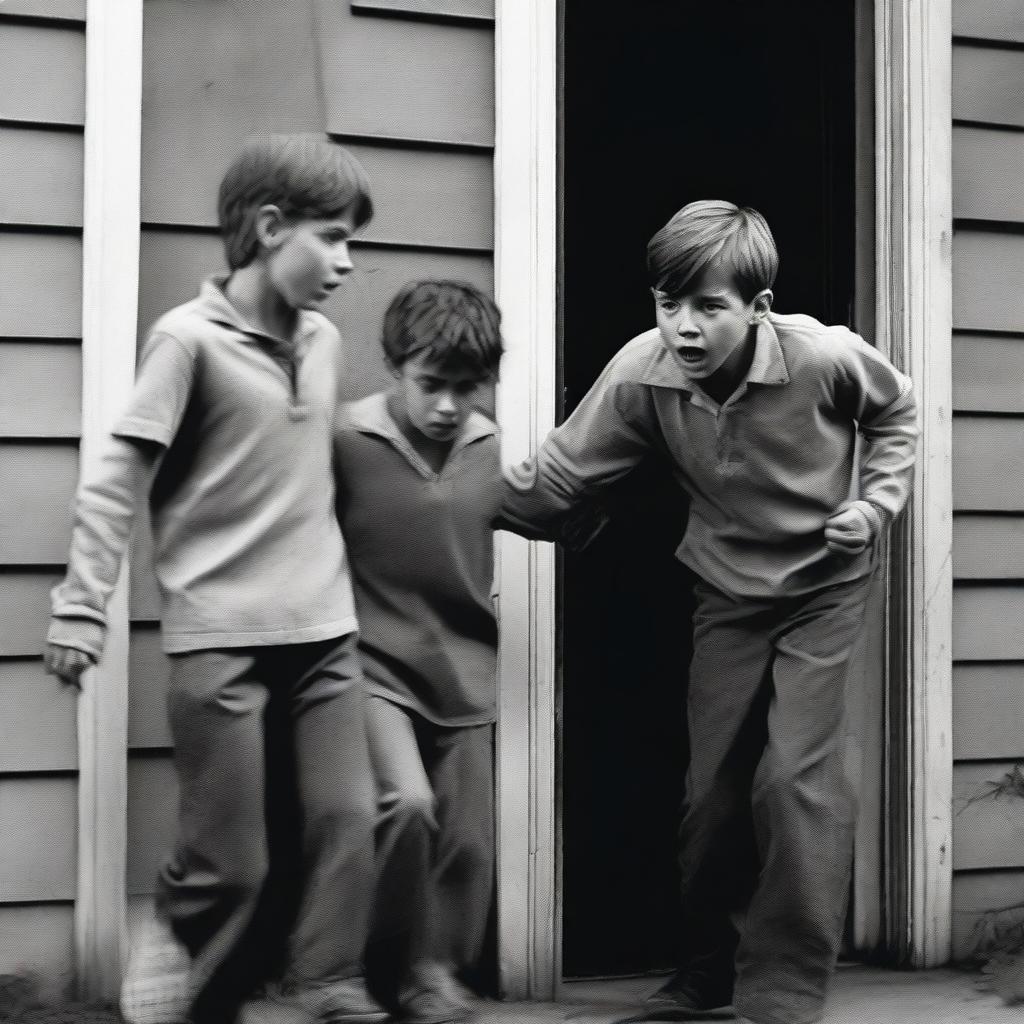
769	817
212	885
435	836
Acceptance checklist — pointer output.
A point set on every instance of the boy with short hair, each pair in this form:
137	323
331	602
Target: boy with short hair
229	435
420	489
757	415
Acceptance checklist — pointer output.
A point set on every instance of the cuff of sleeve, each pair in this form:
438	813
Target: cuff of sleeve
134	429
873	514
84	635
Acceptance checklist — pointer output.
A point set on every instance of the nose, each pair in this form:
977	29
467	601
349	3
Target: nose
446	404
342	261
685	327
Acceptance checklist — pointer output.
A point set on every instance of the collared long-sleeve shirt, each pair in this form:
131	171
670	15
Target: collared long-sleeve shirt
764	470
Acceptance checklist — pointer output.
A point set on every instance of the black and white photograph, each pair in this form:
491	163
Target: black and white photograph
511	511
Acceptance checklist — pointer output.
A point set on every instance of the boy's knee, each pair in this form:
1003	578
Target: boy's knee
409	808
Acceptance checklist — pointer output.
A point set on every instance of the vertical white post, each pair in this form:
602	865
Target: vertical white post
914	285
110	268
525	276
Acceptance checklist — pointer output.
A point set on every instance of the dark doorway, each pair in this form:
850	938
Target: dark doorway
667	101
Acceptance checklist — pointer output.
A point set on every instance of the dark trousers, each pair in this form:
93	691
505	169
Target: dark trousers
211	887
769	815
435	836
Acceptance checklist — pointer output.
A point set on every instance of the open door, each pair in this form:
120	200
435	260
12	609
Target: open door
664	103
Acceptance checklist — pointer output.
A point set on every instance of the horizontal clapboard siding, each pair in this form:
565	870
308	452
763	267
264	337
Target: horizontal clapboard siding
39	716
24	609
988	708
476	9
407	79
988	547
42	90
41	285
987	623
44	10
42	73
988	816
988	85
988	373
43	390
42	174
988	169
988	464
38	939
987	906
988	267
998	20
39	823
38	485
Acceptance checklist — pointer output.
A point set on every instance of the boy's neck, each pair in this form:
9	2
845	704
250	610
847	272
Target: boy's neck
249	290
725	380
434	453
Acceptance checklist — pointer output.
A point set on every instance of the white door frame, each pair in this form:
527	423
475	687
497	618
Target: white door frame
914	285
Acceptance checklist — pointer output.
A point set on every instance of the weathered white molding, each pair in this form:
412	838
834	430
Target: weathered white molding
913	42
525	282
110	270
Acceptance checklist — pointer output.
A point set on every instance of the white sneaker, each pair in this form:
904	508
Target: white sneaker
156	987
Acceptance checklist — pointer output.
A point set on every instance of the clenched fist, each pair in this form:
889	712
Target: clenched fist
851	528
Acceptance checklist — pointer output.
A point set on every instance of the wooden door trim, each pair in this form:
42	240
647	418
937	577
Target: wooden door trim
110	270
913	104
913	127
526	211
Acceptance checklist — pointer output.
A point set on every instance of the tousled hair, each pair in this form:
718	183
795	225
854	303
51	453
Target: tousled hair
456	324
713	233
304	175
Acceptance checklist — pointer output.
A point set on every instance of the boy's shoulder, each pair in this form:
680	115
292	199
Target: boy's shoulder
362	415
803	338
644	360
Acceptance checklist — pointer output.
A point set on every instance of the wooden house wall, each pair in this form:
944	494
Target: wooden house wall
409	88
988	470
42	80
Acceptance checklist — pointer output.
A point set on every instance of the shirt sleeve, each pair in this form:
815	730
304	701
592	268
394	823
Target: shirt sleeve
163	383
881	399
105	507
604	438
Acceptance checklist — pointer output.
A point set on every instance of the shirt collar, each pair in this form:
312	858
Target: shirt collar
216	307
767	367
372	416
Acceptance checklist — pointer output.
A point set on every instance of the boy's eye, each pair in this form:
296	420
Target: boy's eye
668	305
466	387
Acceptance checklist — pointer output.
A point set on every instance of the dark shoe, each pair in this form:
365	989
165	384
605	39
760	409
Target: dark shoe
689	997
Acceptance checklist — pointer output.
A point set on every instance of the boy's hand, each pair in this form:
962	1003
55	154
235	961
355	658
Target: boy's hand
67	663
848	531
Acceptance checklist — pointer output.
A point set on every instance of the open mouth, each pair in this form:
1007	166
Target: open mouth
691	355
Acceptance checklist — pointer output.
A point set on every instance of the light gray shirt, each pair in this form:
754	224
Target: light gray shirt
764	470
247	546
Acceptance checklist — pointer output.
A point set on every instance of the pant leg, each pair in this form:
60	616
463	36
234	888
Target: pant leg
406	828
725	718
804	811
210	886
461	772
338	809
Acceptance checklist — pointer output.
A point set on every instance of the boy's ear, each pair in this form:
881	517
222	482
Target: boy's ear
762	305
271	226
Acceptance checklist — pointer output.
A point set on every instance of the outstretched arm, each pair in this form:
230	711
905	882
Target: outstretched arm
604	438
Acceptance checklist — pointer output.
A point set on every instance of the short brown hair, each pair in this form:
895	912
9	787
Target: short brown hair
305	176
713	232
452	322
